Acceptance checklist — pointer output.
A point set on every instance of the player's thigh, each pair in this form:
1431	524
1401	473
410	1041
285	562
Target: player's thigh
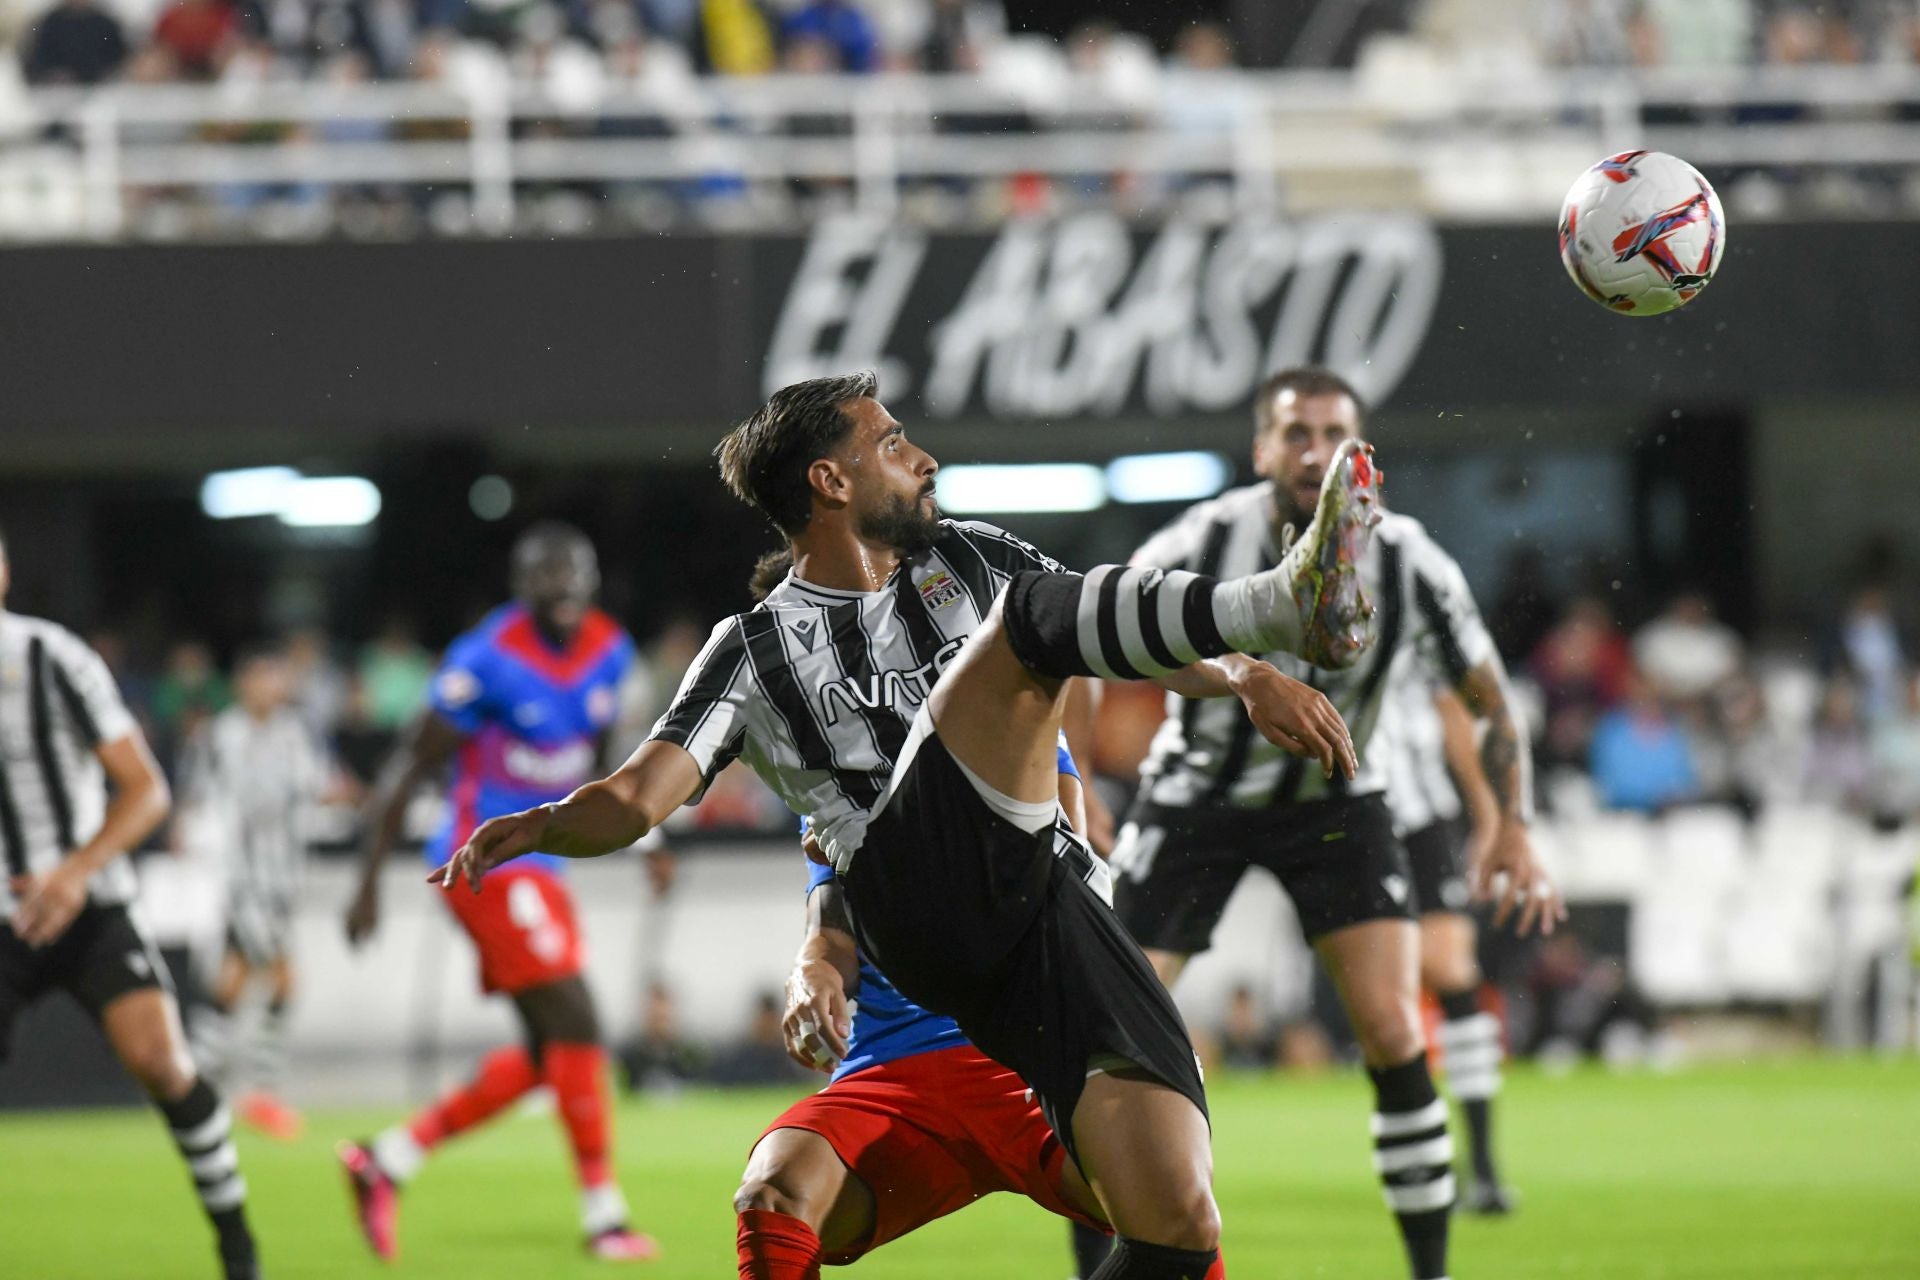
1449	942
143	1028
22	980
1144	1150
797	1172
999	719
1375	966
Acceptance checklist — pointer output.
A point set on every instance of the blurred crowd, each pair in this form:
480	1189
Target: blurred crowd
1694	34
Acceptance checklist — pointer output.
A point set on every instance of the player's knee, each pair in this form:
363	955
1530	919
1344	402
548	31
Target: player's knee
769	1194
1191	1219
159	1067
1389	1032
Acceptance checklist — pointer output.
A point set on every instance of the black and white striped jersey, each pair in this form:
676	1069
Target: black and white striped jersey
58	702
1207	751
816	688
248	786
1411	740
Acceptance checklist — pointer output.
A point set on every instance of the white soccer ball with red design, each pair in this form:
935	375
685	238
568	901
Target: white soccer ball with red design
1642	232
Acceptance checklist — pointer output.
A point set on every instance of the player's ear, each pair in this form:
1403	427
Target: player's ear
1265	447
830	481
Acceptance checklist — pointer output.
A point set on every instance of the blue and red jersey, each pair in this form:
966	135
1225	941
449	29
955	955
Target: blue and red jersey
534	716
886	1025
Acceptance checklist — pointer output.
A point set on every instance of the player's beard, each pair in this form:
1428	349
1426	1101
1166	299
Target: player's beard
909	525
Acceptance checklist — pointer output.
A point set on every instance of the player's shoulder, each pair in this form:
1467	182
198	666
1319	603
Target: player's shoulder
1244	502
1419	550
484	636
61	642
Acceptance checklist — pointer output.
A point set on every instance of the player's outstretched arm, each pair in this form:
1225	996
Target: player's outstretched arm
818	1023
600	818
1293	716
424	750
1509	874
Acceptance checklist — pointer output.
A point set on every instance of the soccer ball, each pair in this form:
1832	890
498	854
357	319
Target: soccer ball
1642	232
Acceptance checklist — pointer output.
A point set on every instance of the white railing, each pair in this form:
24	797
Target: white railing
73	162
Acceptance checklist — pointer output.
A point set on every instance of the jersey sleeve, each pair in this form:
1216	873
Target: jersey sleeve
708	715
1005	554
1448	631
1066	757
88	692
461	692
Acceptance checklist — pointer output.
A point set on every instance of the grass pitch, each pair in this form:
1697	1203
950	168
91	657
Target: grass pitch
1808	1170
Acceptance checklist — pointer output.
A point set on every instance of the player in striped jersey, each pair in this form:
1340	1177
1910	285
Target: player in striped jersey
903	689
1447	816
1215	799
68	917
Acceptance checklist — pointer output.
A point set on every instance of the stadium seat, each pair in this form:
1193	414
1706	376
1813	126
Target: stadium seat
1702	850
1608	857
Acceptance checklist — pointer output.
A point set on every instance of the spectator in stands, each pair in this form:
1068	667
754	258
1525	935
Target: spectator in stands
1582	667
733	38
1248	1038
1640	758
959	32
1694	33
658	1059
393	674
1896	759
1837	767
319	686
77	42
199	34
842	26
1869	646
190	689
1742	758
1584	33
1686	652
761	1058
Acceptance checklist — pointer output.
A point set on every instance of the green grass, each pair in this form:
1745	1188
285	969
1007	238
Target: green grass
1806	1169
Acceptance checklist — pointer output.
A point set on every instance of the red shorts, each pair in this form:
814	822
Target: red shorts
933	1133
523	925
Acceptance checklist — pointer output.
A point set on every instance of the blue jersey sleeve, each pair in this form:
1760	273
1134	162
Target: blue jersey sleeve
461	692
1066	757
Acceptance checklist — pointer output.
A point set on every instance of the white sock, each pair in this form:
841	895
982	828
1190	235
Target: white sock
602	1209
398	1154
1257	614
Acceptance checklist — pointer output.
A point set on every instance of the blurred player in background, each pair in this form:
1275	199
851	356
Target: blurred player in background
248	778
68	904
1216	798
1449	818
520	706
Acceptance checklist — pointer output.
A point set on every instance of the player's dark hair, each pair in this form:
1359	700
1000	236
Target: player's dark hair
764	460
1302	380
257	651
768	570
545	537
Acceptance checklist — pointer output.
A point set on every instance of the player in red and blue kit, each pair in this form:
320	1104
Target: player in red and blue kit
520	707
914	1123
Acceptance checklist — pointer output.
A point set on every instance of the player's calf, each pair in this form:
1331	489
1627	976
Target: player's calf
1128	623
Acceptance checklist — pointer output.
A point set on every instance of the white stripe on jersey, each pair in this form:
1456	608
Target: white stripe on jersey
816	688
1207	751
1412	742
58	703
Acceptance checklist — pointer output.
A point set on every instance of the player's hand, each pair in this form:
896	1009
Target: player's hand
47	904
1513	880
817	1025
810	845
363	913
1480	841
1297	718
496	841
662	870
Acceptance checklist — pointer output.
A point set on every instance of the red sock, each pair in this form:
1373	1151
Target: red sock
504	1075
1218	1271
577	1074
774	1246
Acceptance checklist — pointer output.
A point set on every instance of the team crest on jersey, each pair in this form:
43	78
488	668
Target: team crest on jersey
457	686
939	590
600	704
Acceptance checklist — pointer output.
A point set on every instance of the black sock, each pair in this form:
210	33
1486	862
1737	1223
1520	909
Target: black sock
1090	1248
1138	1260
1470	1040
1125	623
203	1131
1413	1153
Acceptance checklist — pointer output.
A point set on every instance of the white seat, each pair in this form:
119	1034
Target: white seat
1676	951
1703	849
1608	857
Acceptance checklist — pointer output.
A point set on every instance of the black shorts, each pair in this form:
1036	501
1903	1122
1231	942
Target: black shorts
102	956
1338	859
971	917
1439	856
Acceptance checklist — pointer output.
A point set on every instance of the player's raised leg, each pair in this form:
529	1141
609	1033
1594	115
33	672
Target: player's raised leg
143	1027
1375	966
